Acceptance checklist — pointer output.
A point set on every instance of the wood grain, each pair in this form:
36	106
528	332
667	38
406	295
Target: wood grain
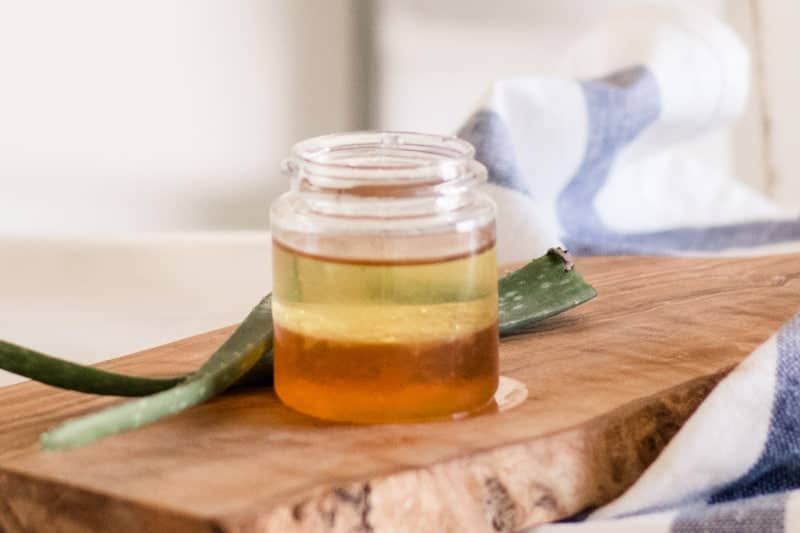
610	383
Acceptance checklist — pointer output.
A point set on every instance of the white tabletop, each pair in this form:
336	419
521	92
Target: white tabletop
91	299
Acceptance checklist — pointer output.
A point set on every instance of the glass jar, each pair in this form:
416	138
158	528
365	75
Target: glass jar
384	279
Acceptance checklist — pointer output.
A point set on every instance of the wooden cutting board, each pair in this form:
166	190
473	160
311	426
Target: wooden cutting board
609	384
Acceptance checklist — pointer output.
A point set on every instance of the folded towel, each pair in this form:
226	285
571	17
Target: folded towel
598	166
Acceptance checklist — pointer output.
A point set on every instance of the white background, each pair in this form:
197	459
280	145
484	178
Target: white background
162	115
173	115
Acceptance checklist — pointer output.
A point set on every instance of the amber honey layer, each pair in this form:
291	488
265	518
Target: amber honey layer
386	382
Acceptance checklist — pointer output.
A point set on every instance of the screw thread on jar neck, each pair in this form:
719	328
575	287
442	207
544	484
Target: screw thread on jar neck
386	166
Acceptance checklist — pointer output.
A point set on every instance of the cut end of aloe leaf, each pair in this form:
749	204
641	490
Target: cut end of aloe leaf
544	287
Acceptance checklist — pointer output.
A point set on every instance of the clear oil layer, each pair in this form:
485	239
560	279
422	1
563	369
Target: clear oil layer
385	342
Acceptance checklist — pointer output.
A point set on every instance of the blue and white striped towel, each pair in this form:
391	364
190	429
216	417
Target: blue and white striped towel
600	166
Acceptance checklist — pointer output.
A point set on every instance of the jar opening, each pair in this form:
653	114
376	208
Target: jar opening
384	196
380	163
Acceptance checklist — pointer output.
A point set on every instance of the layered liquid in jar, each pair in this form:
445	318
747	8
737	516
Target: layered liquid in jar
385	342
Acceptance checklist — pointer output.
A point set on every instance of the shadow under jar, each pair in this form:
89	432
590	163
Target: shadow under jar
384	279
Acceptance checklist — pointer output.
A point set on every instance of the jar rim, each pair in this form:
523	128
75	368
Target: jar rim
383	157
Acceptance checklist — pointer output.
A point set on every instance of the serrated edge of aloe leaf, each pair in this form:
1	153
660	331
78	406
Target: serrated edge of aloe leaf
583	291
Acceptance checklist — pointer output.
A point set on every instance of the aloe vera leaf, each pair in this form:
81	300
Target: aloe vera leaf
67	375
251	342
544	287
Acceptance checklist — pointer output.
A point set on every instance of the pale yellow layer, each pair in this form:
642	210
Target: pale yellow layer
387	323
384	303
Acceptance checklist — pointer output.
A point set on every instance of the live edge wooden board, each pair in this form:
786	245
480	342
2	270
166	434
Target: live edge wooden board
610	383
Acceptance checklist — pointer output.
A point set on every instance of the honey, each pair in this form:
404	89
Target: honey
392	341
